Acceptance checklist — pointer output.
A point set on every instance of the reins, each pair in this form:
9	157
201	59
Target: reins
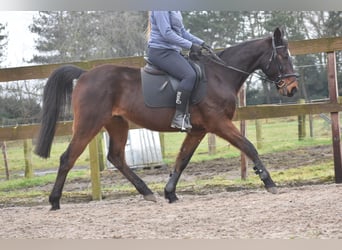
214	58
279	82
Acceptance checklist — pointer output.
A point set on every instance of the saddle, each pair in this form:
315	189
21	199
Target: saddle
159	88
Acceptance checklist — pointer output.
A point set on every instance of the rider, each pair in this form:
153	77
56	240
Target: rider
166	40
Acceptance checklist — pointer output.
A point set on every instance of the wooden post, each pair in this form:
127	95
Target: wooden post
4	152
311	125
95	169
102	164
211	144
301	124
162	143
28	158
335	121
244	160
258	128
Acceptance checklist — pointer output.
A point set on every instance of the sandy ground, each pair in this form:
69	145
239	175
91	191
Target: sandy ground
313	212
305	212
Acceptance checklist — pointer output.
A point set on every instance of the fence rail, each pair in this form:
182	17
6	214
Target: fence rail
333	106
243	113
43	71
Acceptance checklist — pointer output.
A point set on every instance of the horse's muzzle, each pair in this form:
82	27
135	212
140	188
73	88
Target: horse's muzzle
288	87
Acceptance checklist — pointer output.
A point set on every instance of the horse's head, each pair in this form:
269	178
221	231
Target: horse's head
279	68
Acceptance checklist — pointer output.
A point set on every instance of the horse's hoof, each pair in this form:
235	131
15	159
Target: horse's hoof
150	197
272	190
54	208
171	197
174	200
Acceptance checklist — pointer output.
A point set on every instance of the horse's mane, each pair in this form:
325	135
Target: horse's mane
241	45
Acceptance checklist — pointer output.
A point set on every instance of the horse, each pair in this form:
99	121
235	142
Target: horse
109	96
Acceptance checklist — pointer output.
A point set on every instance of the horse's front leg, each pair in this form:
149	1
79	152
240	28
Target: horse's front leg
227	130
190	143
118	132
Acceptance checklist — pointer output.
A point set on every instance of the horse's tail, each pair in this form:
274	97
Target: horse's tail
57	94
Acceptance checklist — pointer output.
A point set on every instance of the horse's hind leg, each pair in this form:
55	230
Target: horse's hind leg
77	145
118	132
188	148
228	131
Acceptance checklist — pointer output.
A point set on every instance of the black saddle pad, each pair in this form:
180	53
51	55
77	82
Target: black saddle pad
159	89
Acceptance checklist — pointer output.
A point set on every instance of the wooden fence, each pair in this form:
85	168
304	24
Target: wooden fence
325	45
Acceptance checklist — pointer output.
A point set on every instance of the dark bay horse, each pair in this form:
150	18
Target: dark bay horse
109	96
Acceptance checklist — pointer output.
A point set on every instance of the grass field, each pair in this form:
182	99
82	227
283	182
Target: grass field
277	135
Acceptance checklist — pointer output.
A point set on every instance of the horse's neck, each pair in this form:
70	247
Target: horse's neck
246	56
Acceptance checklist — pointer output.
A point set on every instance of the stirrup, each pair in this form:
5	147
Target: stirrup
184	124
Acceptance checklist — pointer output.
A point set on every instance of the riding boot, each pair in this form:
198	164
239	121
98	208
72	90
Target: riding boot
181	118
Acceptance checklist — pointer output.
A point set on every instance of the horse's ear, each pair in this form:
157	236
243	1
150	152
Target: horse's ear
278	36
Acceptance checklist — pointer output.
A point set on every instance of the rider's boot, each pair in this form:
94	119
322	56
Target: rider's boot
181	118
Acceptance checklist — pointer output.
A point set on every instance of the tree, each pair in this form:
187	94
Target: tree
333	27
68	35
3	41
19	103
320	24
218	28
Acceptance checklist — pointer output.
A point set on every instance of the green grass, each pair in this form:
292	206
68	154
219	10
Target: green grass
16	161
278	135
22	183
17	189
316	173
23	190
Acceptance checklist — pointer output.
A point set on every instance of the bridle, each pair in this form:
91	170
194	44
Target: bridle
279	80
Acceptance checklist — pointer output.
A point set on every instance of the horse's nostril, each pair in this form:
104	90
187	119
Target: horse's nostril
293	91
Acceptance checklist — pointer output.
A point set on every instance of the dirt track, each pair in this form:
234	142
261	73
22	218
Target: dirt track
308	211
304	212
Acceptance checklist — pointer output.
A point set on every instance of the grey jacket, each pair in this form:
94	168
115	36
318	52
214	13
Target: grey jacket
168	32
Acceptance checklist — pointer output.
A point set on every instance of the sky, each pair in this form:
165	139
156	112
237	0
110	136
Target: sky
20	46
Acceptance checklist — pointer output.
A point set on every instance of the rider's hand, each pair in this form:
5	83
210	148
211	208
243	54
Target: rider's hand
206	47
195	51
195	48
